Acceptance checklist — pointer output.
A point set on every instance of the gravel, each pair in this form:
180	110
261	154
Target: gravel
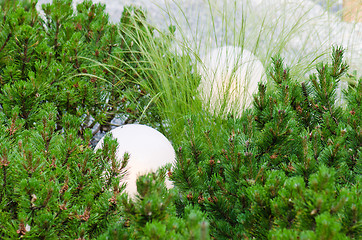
307	25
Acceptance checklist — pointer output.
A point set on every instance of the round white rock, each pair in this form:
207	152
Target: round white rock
230	76
148	149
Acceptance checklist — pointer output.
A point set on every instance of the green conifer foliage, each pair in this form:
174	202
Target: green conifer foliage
289	168
60	74
152	215
75	58
53	186
51	183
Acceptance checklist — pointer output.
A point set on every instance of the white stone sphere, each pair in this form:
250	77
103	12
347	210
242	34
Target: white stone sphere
148	150
229	77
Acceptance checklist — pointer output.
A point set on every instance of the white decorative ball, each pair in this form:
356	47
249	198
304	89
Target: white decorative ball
229	77
148	150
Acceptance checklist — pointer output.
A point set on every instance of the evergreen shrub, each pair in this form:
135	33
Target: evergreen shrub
60	75
289	168
76	59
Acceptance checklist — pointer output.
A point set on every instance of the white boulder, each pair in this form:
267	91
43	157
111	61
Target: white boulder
230	76
148	149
